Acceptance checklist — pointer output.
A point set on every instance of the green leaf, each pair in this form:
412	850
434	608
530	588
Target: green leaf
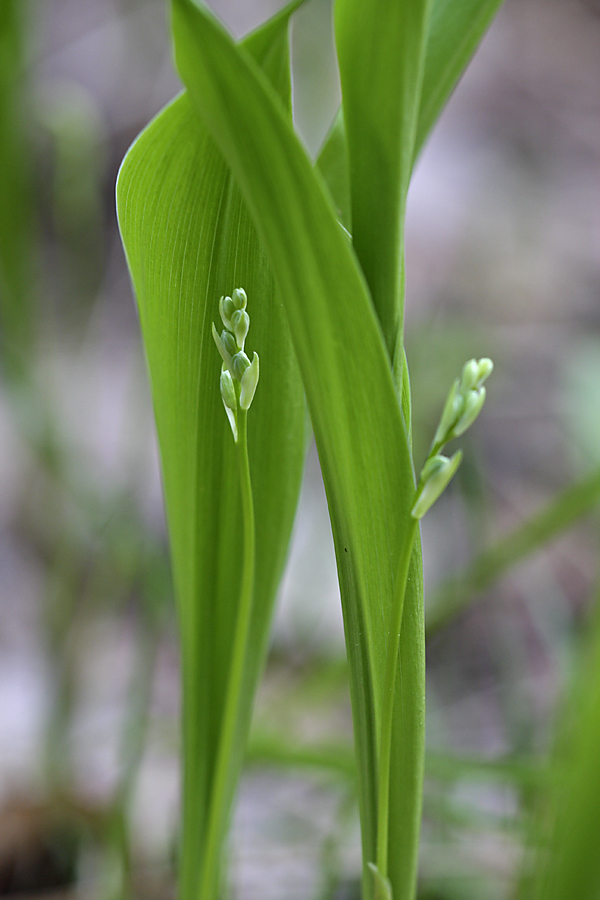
381	51
269	47
189	240
357	421
456	28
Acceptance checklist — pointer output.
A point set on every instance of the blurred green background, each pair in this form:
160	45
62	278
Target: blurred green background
503	259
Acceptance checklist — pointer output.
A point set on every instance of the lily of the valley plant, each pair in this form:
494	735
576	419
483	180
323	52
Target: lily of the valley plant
217	198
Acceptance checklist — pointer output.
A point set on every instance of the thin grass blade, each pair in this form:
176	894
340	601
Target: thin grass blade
457	594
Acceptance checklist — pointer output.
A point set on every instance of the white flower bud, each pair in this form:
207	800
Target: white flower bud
225	355
249	380
473	404
228	341
486	367
239	298
239	364
240	323
436	474
469	376
228	389
432	467
383	885
226	309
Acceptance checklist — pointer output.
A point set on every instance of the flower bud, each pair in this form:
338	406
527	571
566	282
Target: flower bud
383	885
225	355
432	467
486	367
436	474
469	376
240	323
249	380
228	389
473	403
239	298
239	364
229	343
226	309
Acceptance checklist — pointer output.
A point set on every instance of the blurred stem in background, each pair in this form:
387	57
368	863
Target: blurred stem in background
565	862
60	609
78	142
457	593
56	493
16	207
153	610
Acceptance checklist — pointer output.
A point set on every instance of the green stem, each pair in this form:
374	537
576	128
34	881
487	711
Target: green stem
231	716
387	715
436	447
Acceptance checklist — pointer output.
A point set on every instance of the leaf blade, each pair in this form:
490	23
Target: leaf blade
381	51
332	163
188	240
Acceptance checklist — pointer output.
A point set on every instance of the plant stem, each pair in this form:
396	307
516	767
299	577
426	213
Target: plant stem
387	715
231	715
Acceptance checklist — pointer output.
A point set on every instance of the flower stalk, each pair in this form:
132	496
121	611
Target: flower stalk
238	381
463	404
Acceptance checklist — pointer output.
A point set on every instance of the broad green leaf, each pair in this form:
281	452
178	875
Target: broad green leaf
381	51
561	513
189	240
358	424
15	195
456	28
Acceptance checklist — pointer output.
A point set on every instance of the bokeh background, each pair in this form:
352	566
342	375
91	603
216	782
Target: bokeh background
503	259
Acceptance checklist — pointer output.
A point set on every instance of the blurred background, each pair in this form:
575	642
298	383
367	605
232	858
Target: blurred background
503	259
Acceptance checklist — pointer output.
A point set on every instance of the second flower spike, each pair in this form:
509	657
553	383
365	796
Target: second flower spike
463	405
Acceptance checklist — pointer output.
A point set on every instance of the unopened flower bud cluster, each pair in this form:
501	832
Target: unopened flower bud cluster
463	405
239	376
465	400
